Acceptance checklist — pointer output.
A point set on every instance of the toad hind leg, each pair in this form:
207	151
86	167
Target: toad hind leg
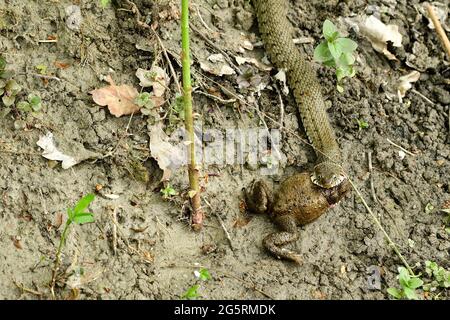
258	197
275	242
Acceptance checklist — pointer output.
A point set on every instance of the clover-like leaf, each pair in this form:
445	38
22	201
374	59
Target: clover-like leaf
23	106
191	293
322	53
8	101
396	293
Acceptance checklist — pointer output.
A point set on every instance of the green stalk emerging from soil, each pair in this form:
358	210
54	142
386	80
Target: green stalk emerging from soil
78	215
194	194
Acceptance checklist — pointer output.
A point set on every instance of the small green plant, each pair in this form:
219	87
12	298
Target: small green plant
440	276
176	112
336	52
78	215
203	274
9	90
41	69
144	100
33	103
362	124
447	219
168	192
104	3
408	284
192	293
4	74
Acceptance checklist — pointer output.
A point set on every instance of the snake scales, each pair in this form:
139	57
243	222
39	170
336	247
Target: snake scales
276	32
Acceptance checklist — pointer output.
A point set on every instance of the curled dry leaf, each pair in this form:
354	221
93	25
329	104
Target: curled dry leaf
156	77
215	64
51	152
379	34
67	151
168	156
258	64
119	99
404	83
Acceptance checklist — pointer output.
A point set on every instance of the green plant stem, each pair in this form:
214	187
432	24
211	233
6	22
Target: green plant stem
62	240
197	216
378	223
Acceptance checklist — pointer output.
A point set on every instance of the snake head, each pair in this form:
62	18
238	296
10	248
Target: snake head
328	175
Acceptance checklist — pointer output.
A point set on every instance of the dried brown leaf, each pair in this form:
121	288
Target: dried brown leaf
119	99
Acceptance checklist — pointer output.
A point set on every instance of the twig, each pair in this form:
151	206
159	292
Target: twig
45	77
372	188
439	30
423	97
198	214
400	147
114	230
48	41
201	19
24	289
44	203
280	99
222	224
211	96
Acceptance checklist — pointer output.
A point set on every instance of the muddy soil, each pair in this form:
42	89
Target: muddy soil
140	245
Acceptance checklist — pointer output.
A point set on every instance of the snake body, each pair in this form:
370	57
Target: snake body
277	34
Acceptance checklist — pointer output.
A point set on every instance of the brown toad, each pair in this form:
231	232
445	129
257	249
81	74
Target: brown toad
298	201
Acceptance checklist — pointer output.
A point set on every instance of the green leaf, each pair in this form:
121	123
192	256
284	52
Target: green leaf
82	218
34	100
346	45
2	91
329	30
36	107
191	293
2	63
24	106
104	3
415	283
429	208
410	293
8	101
6	74
335	51
204	274
396	293
330	63
12	87
83	203
70	214
41	69
322	53
340	74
